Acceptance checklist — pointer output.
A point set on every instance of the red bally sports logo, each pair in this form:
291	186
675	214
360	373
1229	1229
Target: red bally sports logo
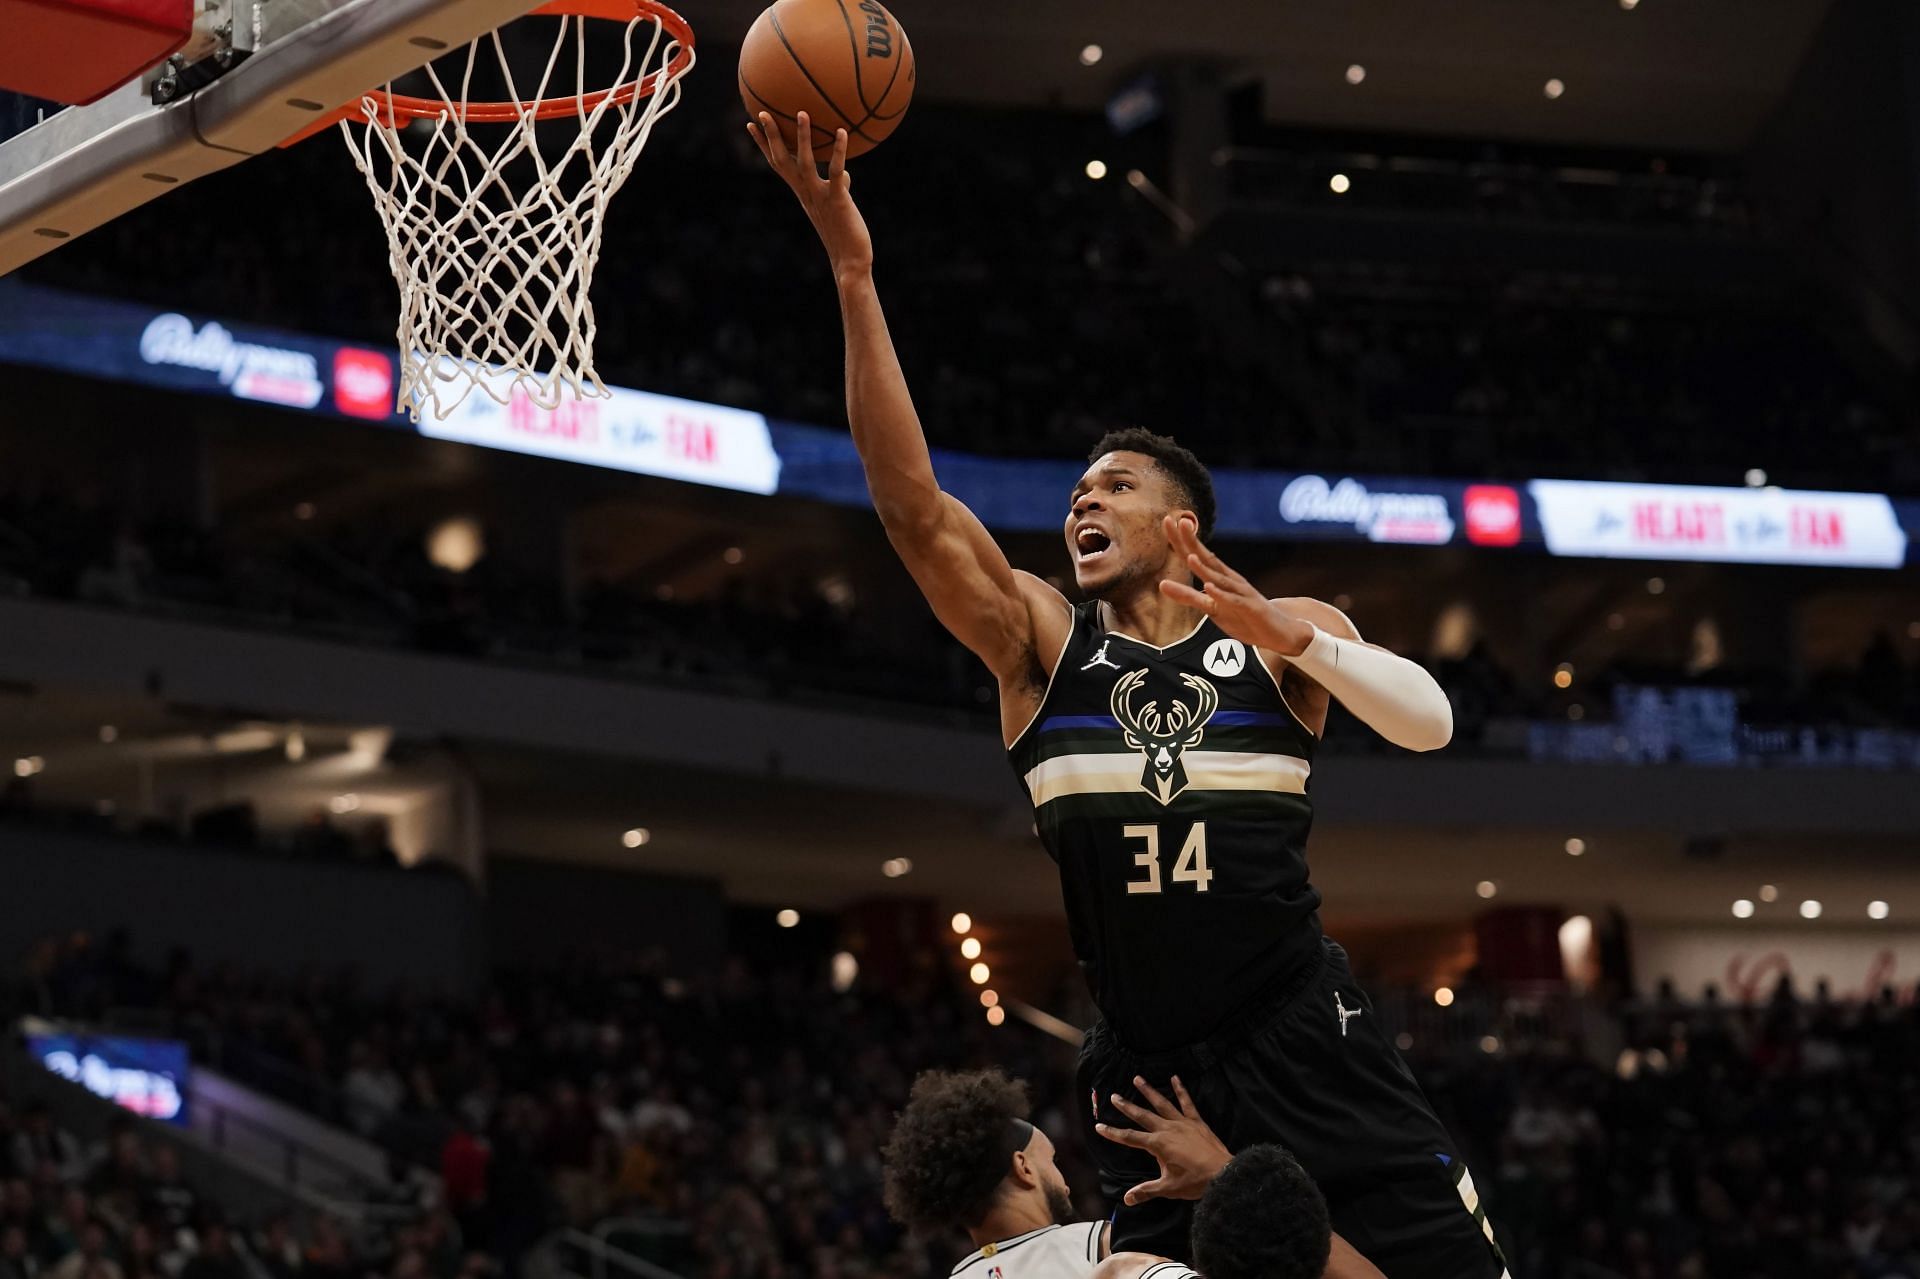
363	383
1493	514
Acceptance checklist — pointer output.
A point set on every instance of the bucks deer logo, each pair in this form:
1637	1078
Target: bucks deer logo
1163	736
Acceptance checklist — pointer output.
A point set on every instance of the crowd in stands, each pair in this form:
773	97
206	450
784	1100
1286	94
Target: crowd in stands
1034	309
743	1115
122	1209
1775	1140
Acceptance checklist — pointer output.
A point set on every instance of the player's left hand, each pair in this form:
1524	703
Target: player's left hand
1230	599
1189	1154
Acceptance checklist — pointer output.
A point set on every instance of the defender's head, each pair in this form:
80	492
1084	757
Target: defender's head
1262	1218
963	1147
1114	531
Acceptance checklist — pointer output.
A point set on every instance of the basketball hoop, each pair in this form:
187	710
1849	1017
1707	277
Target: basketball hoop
493	237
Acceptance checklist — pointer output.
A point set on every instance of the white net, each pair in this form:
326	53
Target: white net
494	212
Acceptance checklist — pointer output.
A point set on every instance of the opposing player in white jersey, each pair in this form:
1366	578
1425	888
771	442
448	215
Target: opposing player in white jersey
964	1156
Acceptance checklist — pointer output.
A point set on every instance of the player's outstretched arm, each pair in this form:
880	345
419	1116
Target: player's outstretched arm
1396	698
965	576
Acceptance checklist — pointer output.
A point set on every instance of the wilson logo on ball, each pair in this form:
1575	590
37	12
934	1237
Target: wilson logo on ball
879	34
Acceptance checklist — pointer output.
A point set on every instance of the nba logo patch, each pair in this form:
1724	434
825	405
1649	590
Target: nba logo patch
995	1273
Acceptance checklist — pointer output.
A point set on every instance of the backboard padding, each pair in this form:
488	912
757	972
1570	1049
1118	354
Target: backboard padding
85	166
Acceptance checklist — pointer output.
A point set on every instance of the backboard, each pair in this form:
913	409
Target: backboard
277	66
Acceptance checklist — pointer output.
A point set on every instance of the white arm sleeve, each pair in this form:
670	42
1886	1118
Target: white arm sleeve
1394	697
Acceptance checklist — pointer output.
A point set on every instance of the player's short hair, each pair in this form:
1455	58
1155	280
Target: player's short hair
948	1153
1178	464
1262	1218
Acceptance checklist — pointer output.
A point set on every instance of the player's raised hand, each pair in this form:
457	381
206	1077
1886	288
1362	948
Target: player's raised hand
1230	599
828	200
1189	1154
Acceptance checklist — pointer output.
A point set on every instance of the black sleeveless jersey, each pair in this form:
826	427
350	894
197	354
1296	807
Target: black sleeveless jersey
1170	786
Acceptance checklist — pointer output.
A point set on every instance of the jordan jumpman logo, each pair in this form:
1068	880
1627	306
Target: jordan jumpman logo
1344	1013
1101	659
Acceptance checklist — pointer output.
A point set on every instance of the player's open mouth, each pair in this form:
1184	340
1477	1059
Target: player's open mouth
1091	543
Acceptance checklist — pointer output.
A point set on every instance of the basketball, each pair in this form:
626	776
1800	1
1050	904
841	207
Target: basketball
846	63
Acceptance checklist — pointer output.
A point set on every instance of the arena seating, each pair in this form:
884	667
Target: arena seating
1308	360
1772	1140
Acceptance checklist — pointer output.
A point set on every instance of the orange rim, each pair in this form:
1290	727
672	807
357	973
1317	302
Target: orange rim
400	106
390	107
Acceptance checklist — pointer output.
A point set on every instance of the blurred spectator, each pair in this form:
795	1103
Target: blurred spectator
39	1144
89	1259
169	1200
216	1258
373	1090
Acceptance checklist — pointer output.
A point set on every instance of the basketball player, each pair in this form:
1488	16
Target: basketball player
1164	730
963	1155
1261	1218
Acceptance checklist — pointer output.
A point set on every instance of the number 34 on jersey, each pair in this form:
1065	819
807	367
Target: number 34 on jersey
1189	868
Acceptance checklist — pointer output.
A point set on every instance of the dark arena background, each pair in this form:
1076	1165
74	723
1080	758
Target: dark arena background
550	843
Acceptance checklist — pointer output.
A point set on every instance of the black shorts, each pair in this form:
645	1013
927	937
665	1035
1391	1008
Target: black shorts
1315	1073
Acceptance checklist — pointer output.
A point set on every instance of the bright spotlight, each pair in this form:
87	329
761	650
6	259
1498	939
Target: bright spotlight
1339	184
457	544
